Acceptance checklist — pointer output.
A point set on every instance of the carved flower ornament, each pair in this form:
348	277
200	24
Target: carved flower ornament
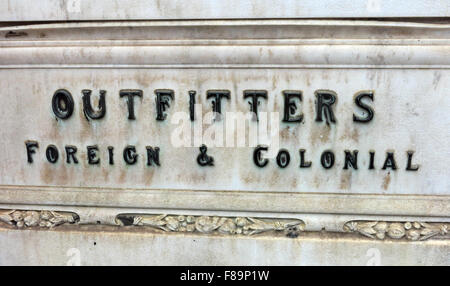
396	230
210	224
47	219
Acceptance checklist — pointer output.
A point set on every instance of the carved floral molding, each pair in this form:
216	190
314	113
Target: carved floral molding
409	231
415	231
211	224
49	219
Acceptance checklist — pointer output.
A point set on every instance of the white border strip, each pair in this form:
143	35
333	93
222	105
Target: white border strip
87	10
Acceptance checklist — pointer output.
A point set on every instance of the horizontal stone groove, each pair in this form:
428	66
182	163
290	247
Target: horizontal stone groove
323	55
404	205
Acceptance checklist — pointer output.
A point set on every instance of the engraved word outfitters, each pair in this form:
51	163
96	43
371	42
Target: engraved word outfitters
63	106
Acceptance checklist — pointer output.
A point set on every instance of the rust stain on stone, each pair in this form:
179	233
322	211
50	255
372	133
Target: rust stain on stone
350	133
355	135
386	181
345	182
47	173
247	178
320	134
105	173
148	176
274	179
122	176
294	183
62	177
285	134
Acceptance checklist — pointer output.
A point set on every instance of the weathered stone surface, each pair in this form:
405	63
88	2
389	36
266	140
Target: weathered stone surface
130	247
54	10
223	195
405	119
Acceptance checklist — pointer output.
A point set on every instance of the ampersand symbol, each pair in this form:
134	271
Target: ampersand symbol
203	159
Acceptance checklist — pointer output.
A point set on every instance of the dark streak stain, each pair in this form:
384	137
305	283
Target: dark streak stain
12	34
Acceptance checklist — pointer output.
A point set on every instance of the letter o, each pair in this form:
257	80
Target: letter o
327	159
283	158
52	154
62	104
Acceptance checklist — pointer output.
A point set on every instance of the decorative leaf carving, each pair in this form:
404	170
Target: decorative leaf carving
211	224
397	230
49	219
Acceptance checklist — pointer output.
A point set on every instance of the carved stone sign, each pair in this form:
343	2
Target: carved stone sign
314	144
288	130
239	128
228	127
